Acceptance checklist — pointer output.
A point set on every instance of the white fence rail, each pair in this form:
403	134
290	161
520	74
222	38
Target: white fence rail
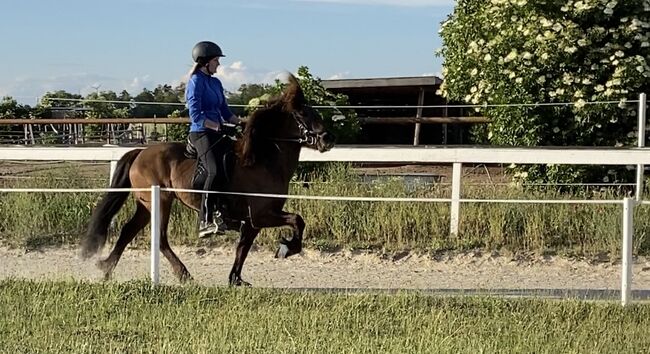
634	156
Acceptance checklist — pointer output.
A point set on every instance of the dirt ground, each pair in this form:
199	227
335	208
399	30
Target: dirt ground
340	270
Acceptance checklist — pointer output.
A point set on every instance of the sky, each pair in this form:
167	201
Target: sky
86	45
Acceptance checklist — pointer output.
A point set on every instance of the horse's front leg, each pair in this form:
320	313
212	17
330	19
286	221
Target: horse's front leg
294	245
246	238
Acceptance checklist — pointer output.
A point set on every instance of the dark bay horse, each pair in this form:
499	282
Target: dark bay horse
267	157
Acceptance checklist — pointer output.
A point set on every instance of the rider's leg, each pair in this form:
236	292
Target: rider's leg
206	146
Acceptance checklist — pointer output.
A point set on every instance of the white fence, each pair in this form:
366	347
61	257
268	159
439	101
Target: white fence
456	156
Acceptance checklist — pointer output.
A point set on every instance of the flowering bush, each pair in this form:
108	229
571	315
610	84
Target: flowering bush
550	51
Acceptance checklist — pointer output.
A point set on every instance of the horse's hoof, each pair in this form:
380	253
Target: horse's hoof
239	282
106	268
282	252
185	278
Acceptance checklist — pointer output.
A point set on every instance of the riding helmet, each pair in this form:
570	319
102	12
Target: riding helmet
204	51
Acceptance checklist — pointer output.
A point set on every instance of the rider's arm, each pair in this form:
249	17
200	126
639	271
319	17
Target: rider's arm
193	96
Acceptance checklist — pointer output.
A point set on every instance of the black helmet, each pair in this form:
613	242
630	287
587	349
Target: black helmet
205	51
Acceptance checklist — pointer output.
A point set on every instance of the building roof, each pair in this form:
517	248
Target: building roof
413	81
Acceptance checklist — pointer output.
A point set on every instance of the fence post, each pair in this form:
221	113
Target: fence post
155	234
642	124
626	263
112	171
455	198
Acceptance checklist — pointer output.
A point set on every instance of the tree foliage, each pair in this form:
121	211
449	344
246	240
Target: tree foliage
551	51
342	122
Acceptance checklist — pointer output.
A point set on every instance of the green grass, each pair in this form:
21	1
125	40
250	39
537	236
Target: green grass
133	317
37	219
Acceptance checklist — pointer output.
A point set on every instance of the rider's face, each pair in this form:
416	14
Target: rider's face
213	65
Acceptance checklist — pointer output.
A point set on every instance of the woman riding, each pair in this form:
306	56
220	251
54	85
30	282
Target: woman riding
208	110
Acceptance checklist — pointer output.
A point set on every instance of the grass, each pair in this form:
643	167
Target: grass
132	317
38	219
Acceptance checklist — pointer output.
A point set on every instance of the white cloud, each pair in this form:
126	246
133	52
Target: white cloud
27	90
403	3
236	74
338	76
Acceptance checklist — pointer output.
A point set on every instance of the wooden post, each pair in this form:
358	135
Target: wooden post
418	116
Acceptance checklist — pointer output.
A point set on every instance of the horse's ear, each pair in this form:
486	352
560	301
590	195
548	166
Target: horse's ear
293	96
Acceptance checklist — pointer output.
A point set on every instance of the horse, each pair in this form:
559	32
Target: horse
265	158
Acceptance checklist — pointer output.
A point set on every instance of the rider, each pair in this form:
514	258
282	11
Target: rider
208	110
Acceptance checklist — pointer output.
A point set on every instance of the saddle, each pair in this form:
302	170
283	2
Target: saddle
226	165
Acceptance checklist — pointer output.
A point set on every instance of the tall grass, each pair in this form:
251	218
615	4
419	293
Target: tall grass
131	317
35	219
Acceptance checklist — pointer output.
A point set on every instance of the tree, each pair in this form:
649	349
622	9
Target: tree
11	109
522	51
342	122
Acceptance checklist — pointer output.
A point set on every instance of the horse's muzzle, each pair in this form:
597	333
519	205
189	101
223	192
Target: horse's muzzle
326	141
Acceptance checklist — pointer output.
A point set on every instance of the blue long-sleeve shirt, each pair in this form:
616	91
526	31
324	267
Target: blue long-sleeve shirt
206	100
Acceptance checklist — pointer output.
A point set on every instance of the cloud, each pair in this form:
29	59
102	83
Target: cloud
401	3
236	74
338	76
27	90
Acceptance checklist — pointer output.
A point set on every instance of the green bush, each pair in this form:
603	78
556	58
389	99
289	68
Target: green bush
551	51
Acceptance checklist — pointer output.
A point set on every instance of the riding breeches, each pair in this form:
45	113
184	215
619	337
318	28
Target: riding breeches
209	147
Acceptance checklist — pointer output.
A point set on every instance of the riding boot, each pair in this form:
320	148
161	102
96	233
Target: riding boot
208	224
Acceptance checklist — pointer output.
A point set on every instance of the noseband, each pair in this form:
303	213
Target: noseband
306	135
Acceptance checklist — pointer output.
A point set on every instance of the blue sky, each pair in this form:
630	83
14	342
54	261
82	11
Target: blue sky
81	45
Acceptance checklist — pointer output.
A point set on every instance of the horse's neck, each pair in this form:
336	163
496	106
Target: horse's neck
285	160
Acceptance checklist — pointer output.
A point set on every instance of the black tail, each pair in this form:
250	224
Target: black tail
108	207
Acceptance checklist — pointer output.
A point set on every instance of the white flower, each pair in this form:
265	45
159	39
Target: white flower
556	130
582	42
580	103
599	88
527	55
512	74
487	57
645	44
519	80
640	69
557	27
541	80
570	49
474	72
619	53
608	11
544	56
511	56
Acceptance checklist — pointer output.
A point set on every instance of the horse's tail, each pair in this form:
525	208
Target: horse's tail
108	206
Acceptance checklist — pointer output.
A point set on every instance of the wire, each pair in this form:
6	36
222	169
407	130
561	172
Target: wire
542	104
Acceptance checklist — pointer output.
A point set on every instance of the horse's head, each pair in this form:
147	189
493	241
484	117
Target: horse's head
307	125
287	119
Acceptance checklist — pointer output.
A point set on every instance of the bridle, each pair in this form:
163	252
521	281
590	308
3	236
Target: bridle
306	135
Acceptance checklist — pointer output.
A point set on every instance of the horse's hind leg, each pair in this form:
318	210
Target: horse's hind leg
247	236
178	267
139	220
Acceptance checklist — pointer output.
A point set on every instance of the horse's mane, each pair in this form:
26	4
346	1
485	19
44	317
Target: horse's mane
263	123
253	146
